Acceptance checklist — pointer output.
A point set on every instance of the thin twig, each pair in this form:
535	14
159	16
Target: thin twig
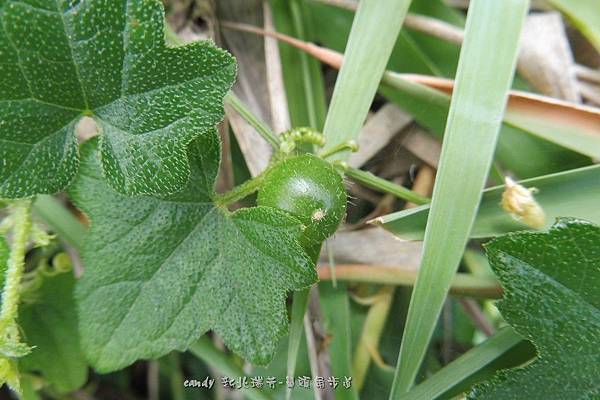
587	73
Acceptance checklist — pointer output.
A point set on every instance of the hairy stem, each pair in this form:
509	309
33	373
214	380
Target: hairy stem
338	148
21	215
241	191
377	183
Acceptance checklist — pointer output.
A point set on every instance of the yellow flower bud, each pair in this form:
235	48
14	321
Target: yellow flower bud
520	203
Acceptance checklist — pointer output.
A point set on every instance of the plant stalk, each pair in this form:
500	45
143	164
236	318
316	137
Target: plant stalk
377	183
241	191
232	100
21	215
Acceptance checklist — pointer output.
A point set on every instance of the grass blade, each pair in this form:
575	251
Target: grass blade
366	56
478	102
205	350
299	306
466	365
571	193
584	14
336	322
302	74
367	53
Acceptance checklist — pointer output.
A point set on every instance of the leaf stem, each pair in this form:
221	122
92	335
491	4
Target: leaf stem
60	219
350	145
21	216
377	183
232	100
241	191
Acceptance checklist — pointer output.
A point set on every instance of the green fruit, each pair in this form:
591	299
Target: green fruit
310	189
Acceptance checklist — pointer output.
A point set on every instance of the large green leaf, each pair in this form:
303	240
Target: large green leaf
50	327
551	283
107	59
574	193
161	272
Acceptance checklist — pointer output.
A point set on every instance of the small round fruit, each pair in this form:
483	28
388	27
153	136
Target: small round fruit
310	189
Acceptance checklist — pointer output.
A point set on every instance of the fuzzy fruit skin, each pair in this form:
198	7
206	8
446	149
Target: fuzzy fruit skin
310	189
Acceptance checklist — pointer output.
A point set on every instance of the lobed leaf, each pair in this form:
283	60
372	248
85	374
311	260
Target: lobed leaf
62	60
161	272
551	298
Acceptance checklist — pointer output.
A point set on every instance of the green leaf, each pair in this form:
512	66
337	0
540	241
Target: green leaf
573	192
50	327
551	298
161	272
64	59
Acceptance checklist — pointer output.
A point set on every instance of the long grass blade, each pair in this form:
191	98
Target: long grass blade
336	322
367	53
584	14
478	102
299	306
465	366
366	56
205	350
302	74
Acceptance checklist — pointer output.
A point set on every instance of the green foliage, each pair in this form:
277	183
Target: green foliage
161	272
108	60
49	324
311	190
551	298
